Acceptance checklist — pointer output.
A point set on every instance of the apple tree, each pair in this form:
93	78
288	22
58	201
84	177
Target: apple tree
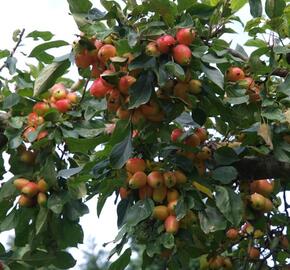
190	135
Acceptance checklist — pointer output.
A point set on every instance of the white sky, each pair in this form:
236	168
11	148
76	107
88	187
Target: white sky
52	15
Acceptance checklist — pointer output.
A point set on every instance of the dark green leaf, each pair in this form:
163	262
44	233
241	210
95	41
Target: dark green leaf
143	61
166	9
11	64
211	220
77	6
230	204
39	51
121	152
237	4
141	91
63	260
214	75
175	70
84	145
201	10
285	86
256	8
274	8
225	156
225	175
66	173
11	101
199	116
45	35
49	75
210	58
138	212
56	202
122	261
41	220
7	190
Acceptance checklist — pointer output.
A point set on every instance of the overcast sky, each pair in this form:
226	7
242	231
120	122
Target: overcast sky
52	15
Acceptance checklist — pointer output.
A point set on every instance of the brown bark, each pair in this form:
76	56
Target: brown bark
250	168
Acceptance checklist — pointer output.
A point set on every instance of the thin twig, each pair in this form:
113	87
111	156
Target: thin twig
85	89
14	49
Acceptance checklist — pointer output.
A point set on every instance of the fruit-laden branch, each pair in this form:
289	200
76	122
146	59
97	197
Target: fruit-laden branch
250	168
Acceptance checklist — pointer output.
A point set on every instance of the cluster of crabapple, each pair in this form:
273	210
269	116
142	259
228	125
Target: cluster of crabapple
193	139
60	99
160	185
236	74
31	192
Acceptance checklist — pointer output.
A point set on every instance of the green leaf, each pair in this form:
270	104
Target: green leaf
9	222
56	202
121	152
67	173
237	100
10	101
141	90
41	220
210	58
201	10
274	8
211	220
4	53
84	145
175	70
7	190
63	260
285	86
225	156
11	64
214	75
256	43
49	75
77	6
184	4
275	114
230	204
143	61
225	175
166	9
39	51
256	8
237	4
138	212
44	35
122	261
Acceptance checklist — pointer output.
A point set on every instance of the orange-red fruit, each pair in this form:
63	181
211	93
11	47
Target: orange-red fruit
204	154
172	195
58	91
232	234
20	183
185	36
96	70
30	189
83	59
150	109
257	201
193	140
159	194
202	134
28	156
182	54
180	177
160	212
41	199
40	108
194	86
234	74
34	120
137	117
125	83
42	185
123	114
72	97
152	49
138	180
155	179
42	134
171	224
216	262
268	205
227	263
175	134
253	253
169	179
106	52
123	193
145	192
62	105
262	186
164	43
284	242
248	82
171	207
98	89
25	201
134	165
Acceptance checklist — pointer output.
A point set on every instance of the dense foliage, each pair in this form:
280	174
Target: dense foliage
190	135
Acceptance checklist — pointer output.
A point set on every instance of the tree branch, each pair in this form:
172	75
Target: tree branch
14	49
250	168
